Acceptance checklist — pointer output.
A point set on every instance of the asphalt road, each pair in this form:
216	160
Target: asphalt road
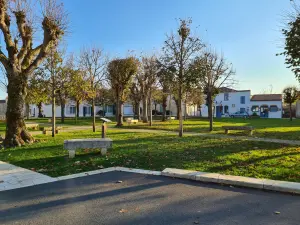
143	199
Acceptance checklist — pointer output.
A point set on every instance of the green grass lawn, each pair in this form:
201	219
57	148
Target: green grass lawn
158	151
269	128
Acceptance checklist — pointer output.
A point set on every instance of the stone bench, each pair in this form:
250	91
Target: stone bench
33	126
246	128
74	144
48	129
171	118
131	120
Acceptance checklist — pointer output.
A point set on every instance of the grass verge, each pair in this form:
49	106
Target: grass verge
158	151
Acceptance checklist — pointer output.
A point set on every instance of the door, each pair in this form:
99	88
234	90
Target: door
218	111
264	111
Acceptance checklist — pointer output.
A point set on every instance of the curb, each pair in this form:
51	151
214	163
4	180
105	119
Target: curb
264	184
83	174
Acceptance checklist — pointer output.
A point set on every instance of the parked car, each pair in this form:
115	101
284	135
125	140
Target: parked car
239	114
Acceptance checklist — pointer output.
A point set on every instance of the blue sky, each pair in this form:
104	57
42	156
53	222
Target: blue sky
247	32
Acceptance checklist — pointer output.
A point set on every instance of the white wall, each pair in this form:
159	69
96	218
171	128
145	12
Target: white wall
234	102
277	114
47	110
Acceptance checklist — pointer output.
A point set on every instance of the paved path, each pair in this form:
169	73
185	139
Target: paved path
144	199
280	141
289	142
12	177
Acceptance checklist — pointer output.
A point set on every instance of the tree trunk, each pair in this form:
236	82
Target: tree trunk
180	117
178	109
150	108
291	115
93	114
119	113
185	110
27	111
16	132
139	112
40	115
210	112
53	113
63	106
76	113
117	110
170	99
145	110
77	108
164	106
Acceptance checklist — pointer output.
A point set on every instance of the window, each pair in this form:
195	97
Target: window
89	110
72	109
226	109
243	100
255	108
226	96
273	108
233	105
242	110
109	109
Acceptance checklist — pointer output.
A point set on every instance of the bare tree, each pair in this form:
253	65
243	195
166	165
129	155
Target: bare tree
93	63
179	50
136	98
147	79
213	72
165	77
22	58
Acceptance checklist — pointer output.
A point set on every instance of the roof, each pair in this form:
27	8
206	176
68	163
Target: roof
226	90
267	97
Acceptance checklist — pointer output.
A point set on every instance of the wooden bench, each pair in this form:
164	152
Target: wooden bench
131	120
48	129
74	144
247	128
33	126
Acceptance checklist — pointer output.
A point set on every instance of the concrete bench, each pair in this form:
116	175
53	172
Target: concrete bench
247	128
48	129
34	126
131	120
74	144
171	118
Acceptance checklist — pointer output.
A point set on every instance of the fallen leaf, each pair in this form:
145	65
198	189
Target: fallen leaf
277	212
119	181
123	211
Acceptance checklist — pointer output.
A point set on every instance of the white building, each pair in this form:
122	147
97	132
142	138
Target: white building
85	110
267	106
230	101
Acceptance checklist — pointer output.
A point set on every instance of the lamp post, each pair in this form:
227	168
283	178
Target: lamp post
104	126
